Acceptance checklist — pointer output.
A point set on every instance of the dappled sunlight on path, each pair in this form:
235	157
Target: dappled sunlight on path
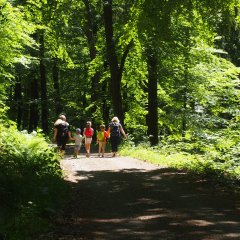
123	198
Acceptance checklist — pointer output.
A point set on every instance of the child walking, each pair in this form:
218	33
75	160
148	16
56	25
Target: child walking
78	138
88	133
102	136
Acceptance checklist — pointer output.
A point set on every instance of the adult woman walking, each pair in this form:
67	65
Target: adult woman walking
115	129
62	133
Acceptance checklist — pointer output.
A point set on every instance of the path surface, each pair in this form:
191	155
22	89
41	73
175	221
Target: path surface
123	198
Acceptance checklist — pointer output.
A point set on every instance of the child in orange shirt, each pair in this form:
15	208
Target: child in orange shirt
102	136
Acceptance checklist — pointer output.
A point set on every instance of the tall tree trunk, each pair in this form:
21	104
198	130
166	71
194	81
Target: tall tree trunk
34	117
184	113
115	80
18	101
43	81
57	95
115	70
152	120
25	108
105	107
91	33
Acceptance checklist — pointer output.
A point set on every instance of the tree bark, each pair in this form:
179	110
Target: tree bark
57	95
184	114
18	101
152	120
115	80
43	81
91	33
33	116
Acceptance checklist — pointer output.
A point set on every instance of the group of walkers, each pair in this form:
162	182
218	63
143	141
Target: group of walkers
62	134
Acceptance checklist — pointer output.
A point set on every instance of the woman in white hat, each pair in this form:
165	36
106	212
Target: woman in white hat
115	129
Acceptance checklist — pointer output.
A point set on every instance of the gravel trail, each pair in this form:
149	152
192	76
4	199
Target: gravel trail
124	198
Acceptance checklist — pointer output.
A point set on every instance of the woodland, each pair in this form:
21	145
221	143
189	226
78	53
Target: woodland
168	69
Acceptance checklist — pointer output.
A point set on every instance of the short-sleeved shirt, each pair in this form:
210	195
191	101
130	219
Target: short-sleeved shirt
78	139
88	132
102	136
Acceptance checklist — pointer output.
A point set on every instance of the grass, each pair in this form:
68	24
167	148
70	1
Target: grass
210	163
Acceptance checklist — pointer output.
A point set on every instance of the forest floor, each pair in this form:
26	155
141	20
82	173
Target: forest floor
124	198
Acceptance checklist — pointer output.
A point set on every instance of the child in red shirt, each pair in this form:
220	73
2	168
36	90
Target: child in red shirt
88	133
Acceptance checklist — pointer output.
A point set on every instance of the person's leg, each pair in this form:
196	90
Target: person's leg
59	144
79	149
75	151
114	143
63	147
103	148
88	146
99	148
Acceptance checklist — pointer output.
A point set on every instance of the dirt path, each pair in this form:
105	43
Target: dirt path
123	198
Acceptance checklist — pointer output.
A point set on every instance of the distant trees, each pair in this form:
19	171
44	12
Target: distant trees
156	65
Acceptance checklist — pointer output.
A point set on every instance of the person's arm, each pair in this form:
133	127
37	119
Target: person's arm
72	138
105	136
123	133
70	135
108	131
97	138
55	134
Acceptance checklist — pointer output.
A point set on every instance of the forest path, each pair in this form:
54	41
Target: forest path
124	198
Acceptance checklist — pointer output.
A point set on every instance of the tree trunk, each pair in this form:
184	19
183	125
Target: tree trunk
43	81
91	33
184	114
34	117
25	108
18	101
152	120
115	80
57	95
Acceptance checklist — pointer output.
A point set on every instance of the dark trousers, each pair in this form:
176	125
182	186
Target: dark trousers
115	140
61	142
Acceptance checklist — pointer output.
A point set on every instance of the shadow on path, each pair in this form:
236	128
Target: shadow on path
157	204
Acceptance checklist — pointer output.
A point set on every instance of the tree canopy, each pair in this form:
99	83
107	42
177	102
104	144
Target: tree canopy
164	68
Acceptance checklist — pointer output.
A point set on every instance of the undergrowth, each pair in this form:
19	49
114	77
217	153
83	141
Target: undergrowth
215	156
31	184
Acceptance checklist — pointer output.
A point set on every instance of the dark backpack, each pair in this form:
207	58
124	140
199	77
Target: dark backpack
115	131
64	129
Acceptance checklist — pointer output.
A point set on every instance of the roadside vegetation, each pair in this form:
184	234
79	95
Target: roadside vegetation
31	184
215	155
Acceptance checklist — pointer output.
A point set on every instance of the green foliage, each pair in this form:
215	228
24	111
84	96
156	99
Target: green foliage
14	37
31	183
215	155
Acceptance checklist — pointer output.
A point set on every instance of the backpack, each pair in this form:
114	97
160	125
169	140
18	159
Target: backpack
115	131
64	129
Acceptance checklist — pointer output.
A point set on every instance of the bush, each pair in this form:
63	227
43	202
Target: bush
31	183
214	155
